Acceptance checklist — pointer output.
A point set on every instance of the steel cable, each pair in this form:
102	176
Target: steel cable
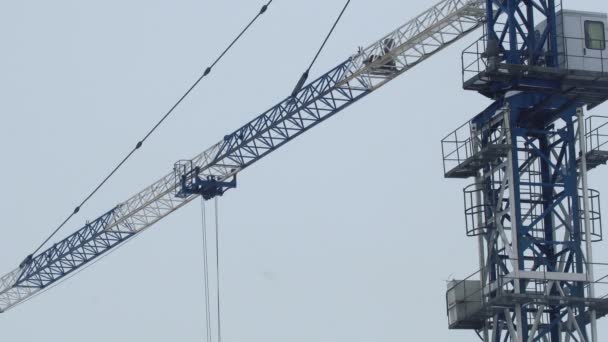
141	142
217	269
304	76
206	271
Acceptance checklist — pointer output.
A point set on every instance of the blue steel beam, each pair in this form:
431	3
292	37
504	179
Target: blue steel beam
535	232
316	102
74	251
511	30
534	238
366	71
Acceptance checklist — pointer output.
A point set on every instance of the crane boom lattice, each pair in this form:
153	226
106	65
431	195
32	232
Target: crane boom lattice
361	74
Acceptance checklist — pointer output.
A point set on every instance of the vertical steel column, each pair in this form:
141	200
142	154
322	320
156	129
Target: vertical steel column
490	21
549	232
518	39
477	145
552	54
513	53
511	116
537	226
533	229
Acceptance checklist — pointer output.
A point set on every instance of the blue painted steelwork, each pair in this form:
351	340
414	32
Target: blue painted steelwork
526	208
293	116
530	223
213	172
191	183
316	102
545	181
512	34
519	52
76	250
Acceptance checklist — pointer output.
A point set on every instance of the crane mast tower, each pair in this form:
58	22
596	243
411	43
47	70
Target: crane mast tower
214	171
528	154
529	206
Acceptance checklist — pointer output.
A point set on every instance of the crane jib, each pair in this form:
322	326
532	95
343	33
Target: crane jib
361	74
62	258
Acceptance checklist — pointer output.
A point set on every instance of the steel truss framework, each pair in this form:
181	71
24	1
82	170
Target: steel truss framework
532	217
361	74
532	230
511	30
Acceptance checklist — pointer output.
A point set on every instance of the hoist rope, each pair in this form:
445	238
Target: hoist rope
140	142
217	269
304	76
206	272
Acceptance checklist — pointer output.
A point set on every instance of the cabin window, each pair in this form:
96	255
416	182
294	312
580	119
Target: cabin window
595	35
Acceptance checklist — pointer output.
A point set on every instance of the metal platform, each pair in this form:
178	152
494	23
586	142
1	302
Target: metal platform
470	306
489	75
476	320
596	138
470	166
596	158
471	147
588	86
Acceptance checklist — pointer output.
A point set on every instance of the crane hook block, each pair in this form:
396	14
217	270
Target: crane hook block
190	181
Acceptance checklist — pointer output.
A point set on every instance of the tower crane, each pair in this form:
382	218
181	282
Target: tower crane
214	171
529	206
535	282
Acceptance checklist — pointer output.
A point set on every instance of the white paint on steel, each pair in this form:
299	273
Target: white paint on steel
417	40
587	221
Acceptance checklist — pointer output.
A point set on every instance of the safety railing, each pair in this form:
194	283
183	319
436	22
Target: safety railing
457	147
596	128
573	54
480	202
577	53
483	142
476	60
185	175
472	300
595	216
477	211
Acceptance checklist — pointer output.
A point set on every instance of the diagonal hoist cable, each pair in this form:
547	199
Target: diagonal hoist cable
141	142
304	76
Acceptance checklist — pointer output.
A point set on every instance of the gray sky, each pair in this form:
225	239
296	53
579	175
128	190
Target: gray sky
346	234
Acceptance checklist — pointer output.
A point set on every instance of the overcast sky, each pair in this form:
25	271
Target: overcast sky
346	234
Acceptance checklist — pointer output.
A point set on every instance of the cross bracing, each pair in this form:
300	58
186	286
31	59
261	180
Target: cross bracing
359	75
